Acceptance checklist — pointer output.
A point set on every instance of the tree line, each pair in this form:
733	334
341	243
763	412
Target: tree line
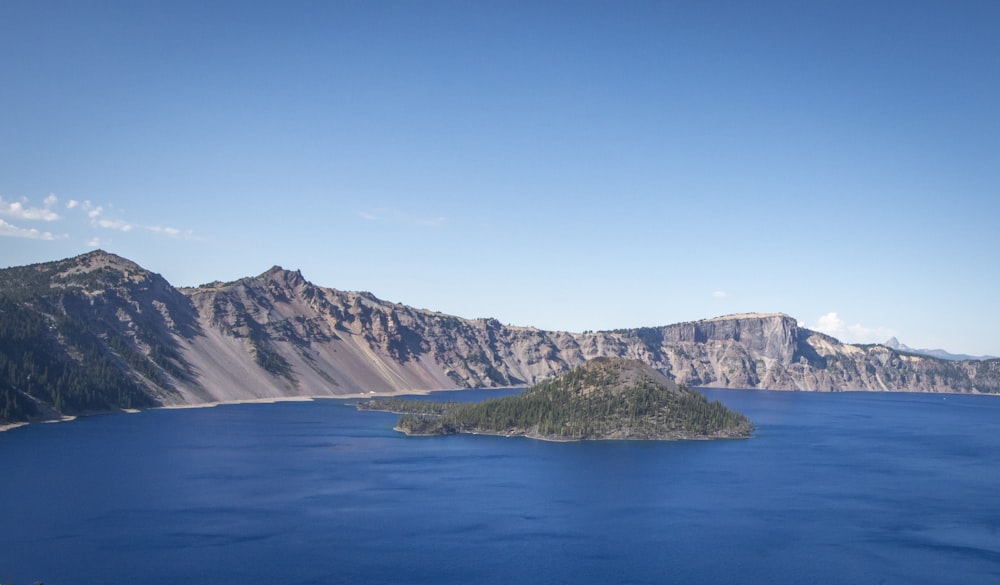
55	359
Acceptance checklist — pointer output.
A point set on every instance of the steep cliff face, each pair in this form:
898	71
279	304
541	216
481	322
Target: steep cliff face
98	332
314	341
772	351
278	335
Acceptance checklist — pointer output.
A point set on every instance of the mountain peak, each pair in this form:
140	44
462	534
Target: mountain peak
98	269
616	374
97	259
291	278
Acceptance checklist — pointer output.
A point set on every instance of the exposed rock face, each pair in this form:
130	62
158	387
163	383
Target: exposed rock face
278	335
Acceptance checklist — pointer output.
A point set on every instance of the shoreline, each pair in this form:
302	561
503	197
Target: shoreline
393	393
265	400
16	425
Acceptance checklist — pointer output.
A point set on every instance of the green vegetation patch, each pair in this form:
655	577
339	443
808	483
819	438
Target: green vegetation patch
603	399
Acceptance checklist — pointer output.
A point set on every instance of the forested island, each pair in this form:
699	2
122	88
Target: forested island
605	398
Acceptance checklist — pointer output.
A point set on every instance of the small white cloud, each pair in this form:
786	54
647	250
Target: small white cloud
93	212
834	326
72	204
12	231
720	294
94	242
831	324
23	210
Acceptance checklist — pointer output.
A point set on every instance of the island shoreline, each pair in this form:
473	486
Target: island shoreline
395	393
680	437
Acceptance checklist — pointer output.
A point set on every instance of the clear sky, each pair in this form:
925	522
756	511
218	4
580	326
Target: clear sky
569	165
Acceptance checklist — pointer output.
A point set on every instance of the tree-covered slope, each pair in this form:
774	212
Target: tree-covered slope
87	334
605	398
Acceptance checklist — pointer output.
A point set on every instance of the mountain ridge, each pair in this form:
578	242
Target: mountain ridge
104	334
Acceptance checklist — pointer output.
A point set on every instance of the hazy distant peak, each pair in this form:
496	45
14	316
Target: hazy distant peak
894	343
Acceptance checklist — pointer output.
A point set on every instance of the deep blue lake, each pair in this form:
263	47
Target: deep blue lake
834	488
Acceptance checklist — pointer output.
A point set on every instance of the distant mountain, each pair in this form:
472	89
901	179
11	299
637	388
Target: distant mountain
894	343
604	398
98	333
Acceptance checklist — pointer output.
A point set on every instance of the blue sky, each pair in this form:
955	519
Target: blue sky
568	165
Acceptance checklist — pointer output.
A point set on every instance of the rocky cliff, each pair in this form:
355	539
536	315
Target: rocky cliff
98	332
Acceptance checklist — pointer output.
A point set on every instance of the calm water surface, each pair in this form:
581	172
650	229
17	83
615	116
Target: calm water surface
834	488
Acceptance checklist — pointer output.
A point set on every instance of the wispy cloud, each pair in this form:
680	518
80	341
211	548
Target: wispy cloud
12	231
82	213
99	219
22	209
396	216
112	224
720	294
833	325
165	230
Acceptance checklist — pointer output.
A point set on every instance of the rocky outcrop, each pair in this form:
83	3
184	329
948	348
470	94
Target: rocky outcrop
98	332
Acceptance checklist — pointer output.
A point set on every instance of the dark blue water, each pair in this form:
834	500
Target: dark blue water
834	488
